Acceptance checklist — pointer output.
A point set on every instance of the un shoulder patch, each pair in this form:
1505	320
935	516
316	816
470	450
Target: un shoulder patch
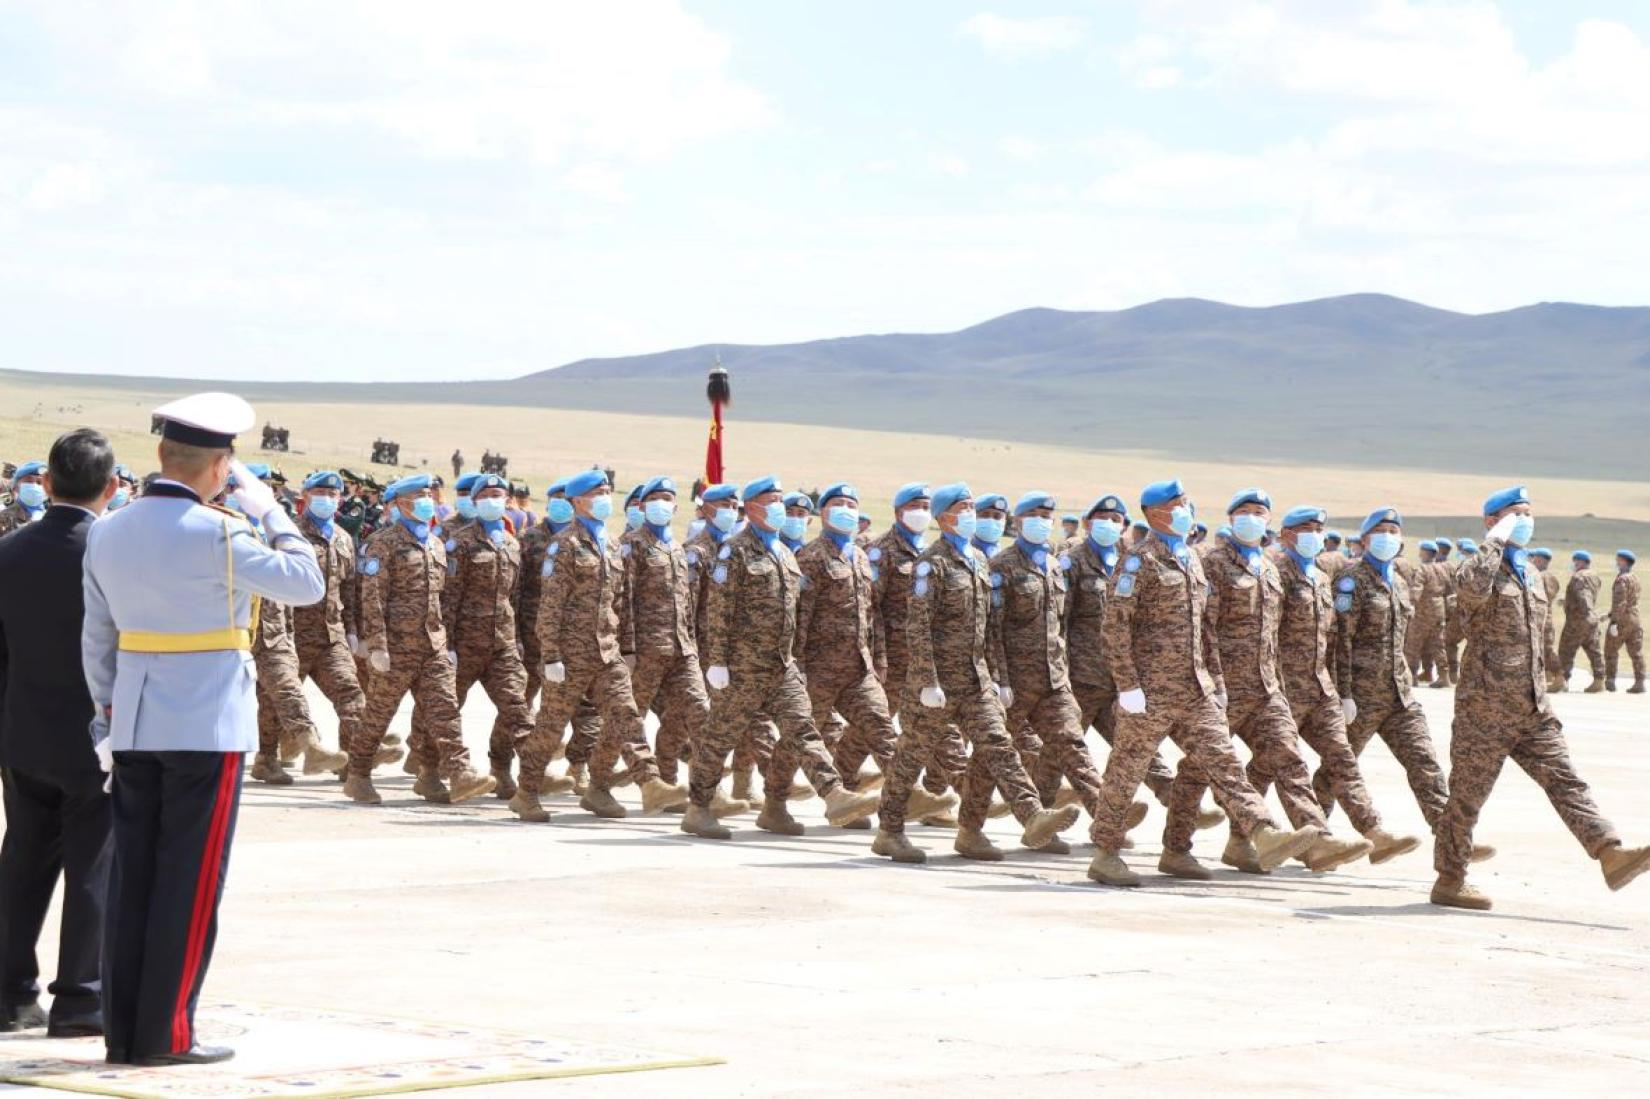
996	580
925	568
1132	565
1343	603
1125	585
720	575
452	544
875	553
1346	583
921	586
724	553
1065	561
371	566
555	548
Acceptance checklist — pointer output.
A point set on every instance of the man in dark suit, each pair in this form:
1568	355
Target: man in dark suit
57	815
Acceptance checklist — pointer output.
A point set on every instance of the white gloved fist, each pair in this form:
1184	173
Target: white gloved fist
1006	693
105	750
933	697
452	657
253	497
717	676
378	660
1350	709
1615	630
1132	702
556	672
353	643
1502	531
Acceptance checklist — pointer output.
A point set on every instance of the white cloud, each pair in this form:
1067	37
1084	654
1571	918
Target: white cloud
1014	39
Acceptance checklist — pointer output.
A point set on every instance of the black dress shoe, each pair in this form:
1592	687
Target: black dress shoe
194	1055
21	1017
85	1026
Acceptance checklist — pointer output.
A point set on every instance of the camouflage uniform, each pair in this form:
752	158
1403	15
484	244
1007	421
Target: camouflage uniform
400	591
656	628
1453	634
750	629
1625	630
752	745
1157	640
587	720
946	647
12	516
1549	637
1089	577
1501	710
321	630
1030	588
281	704
1581	621
578	626
1245	610
478	609
1371	620
1424	645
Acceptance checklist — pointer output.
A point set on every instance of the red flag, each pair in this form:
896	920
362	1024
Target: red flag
713	446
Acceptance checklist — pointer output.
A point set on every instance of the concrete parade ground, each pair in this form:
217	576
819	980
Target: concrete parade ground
808	967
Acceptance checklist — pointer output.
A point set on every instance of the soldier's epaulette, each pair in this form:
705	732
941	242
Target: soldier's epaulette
231	512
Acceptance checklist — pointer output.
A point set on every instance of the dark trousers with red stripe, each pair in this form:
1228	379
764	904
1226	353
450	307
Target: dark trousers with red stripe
174	821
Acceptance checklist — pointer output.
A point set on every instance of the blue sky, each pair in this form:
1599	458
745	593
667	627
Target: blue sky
410	190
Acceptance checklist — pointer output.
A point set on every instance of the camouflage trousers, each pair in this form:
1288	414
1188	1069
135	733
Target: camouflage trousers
1424	644
533	663
779	695
951	749
1267	726
281	704
1549	648
1322	724
334	671
1454	634
1582	636
869	732
1098	705
1053	729
1630	638
608	688
1404	728
1482	737
434	686
670	685
1198	727
504	677
995	763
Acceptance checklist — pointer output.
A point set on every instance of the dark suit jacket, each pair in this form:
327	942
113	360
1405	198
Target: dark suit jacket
45	710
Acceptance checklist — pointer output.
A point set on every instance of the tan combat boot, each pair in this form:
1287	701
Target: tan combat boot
868	781
410	765
601	802
1637	688
1622	864
1107	869
742	786
701	822
843	806
525	804
999	809
430	788
1481	852
1068	796
317	759
1240	855
1560	683
579	773
894	845
1386	846
1208	818
947	819
1329	853
359	789
1055	846
1595	687
557	784
504	784
268	769
723	806
1459	895
1182	864
292	746
1046	824
466	784
387	754
863	824
659	796
922	804
1274	846
1137	813
777	819
975	845
800	791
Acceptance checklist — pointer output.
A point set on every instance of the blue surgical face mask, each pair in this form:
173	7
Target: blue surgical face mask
31	494
842	519
659	512
1180	520
795	527
724	519
1036	529
967	524
466	507
559	509
1523	530
634	517
120	499
323	507
1309	543
1384	546
1249	529
601	508
1105	532
989	531
423	509
490	509
774	515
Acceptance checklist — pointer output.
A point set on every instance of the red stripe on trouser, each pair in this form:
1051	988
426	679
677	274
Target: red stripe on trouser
206	889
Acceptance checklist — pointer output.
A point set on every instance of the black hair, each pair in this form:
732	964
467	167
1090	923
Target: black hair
81	464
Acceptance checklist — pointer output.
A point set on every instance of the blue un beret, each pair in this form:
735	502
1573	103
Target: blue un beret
558	487
1542	551
323	478
1431	545
465	484
416	482
1506	498
1303	514
947	495
1161	492
1032	500
124	472
1249	496
1632	557
909	493
31	469
841	488
488	480
658	484
1331	535
260	470
1379	516
634	495
715	494
1108	502
799	499
991	500
1467	545
755	488
1581	555
586	481
1445	544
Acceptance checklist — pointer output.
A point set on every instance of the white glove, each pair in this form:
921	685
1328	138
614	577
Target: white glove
717	676
521	650
105	750
452	657
1350	709
1220	699
556	672
1132	702
933	697
1502	530
1006	693
252	496
1615	630
353	643
379	660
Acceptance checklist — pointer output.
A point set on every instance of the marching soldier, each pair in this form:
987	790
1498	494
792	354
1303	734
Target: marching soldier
1425	584
1625	630
1501	710
1581	621
799	508
1542	559
28	485
950	683
282	709
990	522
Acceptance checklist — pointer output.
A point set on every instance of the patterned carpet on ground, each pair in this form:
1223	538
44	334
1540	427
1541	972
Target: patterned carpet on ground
283	1051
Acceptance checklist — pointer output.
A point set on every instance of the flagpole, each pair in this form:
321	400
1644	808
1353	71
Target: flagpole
720	394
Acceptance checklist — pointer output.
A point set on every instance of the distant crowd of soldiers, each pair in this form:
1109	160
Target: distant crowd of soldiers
962	652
